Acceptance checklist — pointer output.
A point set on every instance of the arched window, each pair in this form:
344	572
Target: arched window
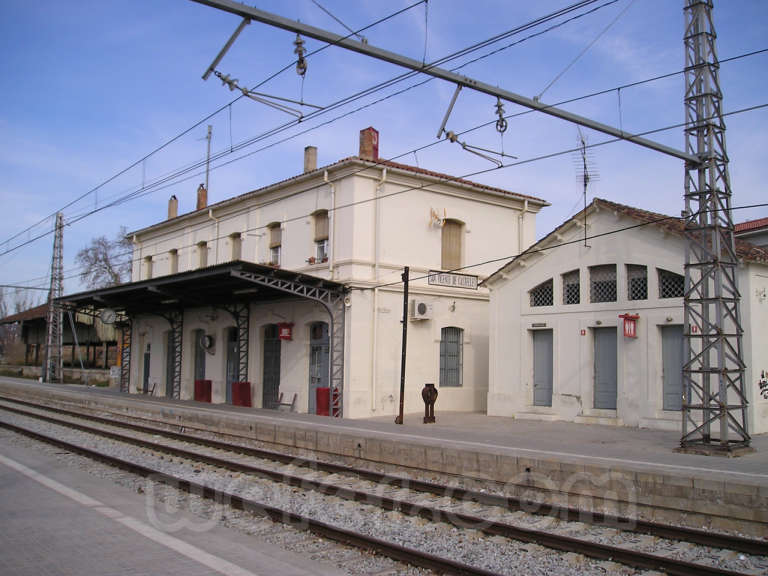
451	244
543	294
671	285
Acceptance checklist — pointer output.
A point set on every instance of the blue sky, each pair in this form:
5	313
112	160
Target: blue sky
87	88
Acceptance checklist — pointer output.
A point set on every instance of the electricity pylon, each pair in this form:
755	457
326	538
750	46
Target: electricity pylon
714	397
53	368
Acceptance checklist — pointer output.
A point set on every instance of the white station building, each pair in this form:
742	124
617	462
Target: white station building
292	294
558	345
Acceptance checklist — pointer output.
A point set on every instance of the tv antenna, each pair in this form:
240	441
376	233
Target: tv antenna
588	172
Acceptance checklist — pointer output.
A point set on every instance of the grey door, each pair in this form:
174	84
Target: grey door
318	362
231	361
145	379
542	368
271	375
672	366
169	366
605	368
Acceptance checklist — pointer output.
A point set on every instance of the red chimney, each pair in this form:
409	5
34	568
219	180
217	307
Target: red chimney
202	197
369	144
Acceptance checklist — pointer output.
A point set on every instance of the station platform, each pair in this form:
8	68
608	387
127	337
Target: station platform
60	520
617	469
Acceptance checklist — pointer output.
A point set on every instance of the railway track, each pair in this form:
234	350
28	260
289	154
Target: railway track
391	493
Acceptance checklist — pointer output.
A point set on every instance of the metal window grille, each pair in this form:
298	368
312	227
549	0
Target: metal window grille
571	287
451	356
637	282
671	285
602	283
542	295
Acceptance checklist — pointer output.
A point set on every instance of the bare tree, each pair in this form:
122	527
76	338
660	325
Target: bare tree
106	262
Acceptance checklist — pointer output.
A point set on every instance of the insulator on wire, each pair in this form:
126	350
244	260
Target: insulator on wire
301	64
501	123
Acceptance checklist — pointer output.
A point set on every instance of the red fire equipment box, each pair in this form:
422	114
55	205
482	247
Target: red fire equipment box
203	391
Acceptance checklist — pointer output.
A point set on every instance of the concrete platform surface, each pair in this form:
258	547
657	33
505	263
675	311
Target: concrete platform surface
58	519
598	445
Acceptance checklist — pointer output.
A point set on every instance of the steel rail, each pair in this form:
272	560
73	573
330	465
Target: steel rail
692	535
625	556
394	551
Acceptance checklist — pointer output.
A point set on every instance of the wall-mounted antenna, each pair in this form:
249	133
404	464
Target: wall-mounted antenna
588	173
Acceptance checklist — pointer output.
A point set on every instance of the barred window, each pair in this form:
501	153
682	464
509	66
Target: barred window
602	283
451	356
542	294
637	282
671	285
571	287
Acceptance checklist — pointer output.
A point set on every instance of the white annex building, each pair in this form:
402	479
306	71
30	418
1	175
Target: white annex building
559	349
265	298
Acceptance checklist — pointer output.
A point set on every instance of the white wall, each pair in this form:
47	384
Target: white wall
382	223
639	378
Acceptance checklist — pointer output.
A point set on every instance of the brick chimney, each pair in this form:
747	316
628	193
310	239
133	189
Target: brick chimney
173	207
202	197
369	144
310	159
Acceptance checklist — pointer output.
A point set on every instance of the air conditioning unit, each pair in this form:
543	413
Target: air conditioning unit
420	310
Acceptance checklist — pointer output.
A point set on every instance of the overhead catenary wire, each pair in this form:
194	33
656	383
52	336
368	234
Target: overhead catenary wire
401	77
534	250
197	124
626	85
380	86
443	180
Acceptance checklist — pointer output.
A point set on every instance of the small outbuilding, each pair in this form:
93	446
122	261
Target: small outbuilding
592	330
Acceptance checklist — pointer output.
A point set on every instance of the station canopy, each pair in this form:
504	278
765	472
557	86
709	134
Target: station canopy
217	285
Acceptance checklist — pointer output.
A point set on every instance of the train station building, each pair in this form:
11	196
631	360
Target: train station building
587	324
291	295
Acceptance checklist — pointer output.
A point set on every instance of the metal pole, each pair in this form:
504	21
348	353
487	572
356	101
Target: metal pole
399	419
367	49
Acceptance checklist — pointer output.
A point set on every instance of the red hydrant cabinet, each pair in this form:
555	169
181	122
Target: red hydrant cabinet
203	391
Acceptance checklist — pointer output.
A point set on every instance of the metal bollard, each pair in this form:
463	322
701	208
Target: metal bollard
429	394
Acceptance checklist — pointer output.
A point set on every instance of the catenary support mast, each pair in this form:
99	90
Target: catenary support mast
53	368
714	398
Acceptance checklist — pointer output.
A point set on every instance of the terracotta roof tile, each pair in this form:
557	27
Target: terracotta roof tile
35	313
751	225
744	250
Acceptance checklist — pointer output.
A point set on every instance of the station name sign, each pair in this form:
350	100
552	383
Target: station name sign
452	280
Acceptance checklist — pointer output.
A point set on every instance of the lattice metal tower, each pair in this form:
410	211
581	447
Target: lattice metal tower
53	368
714	400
